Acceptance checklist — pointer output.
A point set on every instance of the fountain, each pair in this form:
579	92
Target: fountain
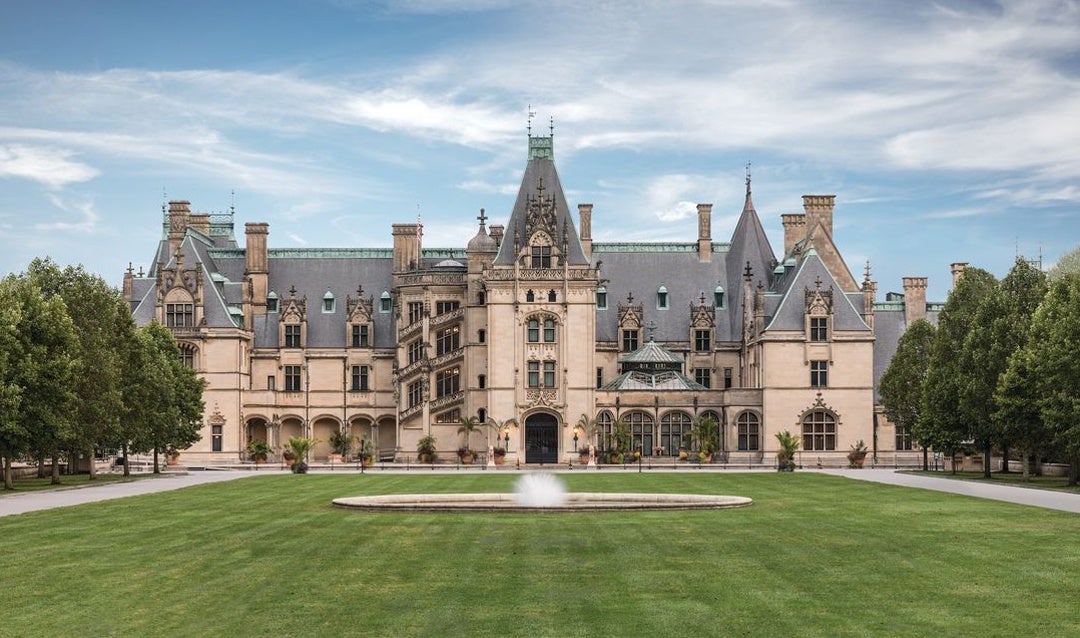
539	492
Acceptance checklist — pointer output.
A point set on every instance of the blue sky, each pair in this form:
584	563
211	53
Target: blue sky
949	131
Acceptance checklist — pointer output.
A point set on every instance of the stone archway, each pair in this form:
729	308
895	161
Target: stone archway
322	429
542	438
386	440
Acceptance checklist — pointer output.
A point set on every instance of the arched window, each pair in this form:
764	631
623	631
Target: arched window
748	429
604	423
819	431
272	302
641	432
718	296
386	302
551	296
674	433
328	302
661	298
601	298
530	296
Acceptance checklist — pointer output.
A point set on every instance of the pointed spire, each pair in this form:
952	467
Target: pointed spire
748	205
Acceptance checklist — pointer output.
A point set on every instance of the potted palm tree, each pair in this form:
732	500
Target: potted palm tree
468	426
704	433
299	447
619	443
502	433
258	450
785	458
588	427
367	453
857	456
425	450
341	443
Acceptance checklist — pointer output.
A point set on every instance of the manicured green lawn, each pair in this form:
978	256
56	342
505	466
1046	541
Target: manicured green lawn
815	555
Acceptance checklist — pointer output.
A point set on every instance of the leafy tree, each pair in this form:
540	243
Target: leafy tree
1067	263
1018	413
704	431
176	421
94	308
944	423
13	436
1053	358
42	373
901	384
998	329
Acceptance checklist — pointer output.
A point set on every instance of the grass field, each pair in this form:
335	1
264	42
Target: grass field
814	556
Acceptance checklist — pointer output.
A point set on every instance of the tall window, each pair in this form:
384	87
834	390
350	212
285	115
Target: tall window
629	340
819	374
533	378
359	379
447	382
216	438
386	302
549	330
179	315
481	381
416	311
819	431
448	340
727	378
481	335
292	335
674	432
530	296
187	355
541	257
748	427
904	439
702	340
533	331
415	350
819	328
603	431
292	378
551	296
601	298
599	377
415	393
272	302
328	302
271	382
361	336
703	376
641	432
549	374
443	307
718	297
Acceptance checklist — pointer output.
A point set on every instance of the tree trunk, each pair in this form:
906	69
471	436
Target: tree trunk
1074	471
986	461
953	457
157	470
41	465
93	466
925	459
55	480
127	461
1026	460
1004	458
9	484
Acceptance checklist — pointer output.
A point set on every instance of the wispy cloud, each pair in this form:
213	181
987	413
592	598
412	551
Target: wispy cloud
50	166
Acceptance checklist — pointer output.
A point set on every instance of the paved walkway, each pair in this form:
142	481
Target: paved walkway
1064	501
34	501
48	499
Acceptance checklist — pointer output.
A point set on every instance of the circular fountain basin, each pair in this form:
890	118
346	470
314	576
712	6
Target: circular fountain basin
573	502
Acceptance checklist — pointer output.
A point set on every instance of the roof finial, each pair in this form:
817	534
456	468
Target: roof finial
551	125
748	179
483	218
232	201
867	279
531	115
651	327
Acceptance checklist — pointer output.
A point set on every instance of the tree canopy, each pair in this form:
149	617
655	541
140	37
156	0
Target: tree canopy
902	383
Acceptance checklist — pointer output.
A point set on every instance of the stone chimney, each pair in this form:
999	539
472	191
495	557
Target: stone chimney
257	264
200	222
704	232
585	217
819	208
496	233
794	230
129	276
179	211
957	270
914	299
406	247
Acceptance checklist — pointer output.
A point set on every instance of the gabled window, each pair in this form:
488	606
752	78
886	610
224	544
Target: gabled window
718	297
629	340
179	315
292	335
819	328
541	257
386	302
601	298
272	302
661	298
702	340
361	337
328	302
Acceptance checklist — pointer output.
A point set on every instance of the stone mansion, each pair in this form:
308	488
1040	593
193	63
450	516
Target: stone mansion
535	322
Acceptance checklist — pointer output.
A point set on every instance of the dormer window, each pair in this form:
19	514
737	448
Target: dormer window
819	328
541	257
661	298
718	297
385	302
328	302
272	302
601	298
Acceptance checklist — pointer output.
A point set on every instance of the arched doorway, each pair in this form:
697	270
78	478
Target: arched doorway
542	438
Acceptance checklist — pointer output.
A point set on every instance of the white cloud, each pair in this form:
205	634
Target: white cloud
87	224
297	239
46	165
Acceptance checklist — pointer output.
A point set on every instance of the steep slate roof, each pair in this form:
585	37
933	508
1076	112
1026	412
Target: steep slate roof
748	244
540	168
790	313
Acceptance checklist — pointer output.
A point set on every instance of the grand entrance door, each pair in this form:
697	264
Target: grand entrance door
542	439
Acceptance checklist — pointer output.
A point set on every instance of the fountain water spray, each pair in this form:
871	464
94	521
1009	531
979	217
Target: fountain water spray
539	490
